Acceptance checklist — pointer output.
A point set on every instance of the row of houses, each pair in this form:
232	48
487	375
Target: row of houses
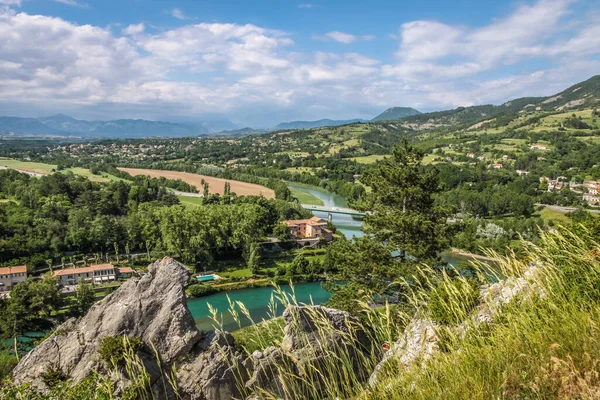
103	273
96	274
589	188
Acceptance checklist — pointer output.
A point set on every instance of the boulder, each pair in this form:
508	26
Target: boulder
152	308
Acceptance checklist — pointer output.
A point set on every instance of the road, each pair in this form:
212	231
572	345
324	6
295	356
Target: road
565	209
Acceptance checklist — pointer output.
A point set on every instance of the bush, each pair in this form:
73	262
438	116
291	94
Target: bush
113	349
7	363
53	377
453	300
200	290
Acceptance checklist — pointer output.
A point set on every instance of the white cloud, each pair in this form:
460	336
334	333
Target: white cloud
134	29
11	2
341	37
305	5
73	3
258	73
177	13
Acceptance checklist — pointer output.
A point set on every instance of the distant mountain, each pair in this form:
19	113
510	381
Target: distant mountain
219	125
242	132
581	95
315	124
120	127
65	125
24	125
395	113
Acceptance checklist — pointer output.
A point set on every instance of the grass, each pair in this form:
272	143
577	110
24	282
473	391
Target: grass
541	344
190	201
305	197
554	215
47	169
367	159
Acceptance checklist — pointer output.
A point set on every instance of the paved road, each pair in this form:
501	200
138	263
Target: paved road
565	209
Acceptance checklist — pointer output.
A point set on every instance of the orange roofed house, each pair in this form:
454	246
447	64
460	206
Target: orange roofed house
313	228
94	273
11	276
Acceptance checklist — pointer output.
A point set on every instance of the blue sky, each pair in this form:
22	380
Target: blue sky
258	63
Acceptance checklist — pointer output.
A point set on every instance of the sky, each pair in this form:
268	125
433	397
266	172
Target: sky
258	63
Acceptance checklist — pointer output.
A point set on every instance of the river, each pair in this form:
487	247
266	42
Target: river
255	300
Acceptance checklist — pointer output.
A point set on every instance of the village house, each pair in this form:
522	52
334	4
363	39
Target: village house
93	274
555	184
12	276
497	166
521	172
538	147
544	179
481	158
592	187
471	155
505	157
313	228
592	200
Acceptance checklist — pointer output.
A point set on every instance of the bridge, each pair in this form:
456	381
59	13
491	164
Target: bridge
334	210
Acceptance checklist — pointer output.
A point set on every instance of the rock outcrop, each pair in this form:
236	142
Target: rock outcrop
208	367
151	308
421	337
313	337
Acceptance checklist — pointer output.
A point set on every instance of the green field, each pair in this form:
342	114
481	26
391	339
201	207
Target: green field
306	198
190	201
367	159
556	216
47	169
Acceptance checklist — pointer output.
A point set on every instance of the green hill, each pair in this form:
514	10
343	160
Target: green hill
395	113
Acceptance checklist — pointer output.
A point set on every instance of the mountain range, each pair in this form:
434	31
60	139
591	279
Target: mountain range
64	125
583	94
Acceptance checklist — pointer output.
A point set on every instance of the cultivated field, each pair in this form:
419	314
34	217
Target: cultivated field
47	169
215	185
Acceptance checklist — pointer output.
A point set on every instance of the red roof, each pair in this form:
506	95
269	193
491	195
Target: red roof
82	270
13	270
314	221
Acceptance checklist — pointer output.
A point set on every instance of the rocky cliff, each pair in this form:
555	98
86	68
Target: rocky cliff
208	366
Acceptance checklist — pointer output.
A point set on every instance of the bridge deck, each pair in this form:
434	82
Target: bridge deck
333	210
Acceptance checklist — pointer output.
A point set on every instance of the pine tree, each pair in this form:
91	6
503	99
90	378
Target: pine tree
404	215
254	259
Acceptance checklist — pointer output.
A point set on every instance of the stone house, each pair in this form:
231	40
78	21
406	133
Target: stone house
313	228
12	276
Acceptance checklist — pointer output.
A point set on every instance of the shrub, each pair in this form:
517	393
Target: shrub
113	349
7	363
200	290
53	377
453	300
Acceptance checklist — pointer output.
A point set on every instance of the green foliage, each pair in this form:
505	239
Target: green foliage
402	200
254	259
7	362
113	349
453	300
199	290
29	307
53	377
84	296
259	336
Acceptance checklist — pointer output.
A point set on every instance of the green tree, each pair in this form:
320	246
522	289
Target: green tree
254	259
404	215
84	296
